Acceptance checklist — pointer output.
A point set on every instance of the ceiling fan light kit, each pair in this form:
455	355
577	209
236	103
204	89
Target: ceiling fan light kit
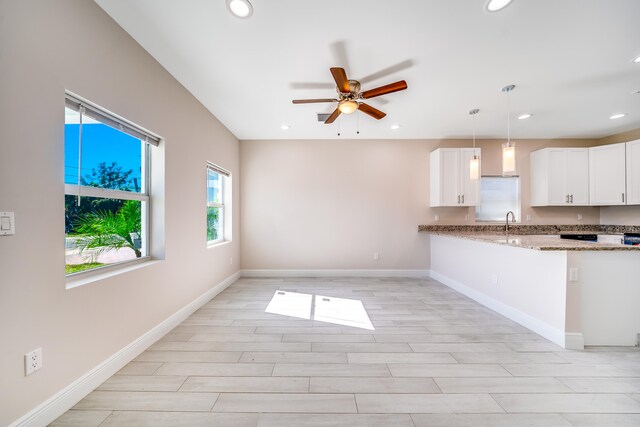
347	106
509	147
350	96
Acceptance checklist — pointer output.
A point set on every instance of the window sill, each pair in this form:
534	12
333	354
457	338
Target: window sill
87	277
216	243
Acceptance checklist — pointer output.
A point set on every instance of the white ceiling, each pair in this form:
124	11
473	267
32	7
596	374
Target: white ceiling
571	61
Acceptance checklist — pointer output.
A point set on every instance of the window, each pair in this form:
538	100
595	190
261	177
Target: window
498	195
106	176
216	199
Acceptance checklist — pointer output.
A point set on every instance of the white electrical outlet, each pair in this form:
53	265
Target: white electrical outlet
466	217
579	217
376	256
573	274
528	217
32	361
494	279
437	217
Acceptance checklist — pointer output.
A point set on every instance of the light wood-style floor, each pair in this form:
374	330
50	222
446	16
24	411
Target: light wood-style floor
435	358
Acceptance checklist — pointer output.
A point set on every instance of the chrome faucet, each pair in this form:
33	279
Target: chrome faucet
506	225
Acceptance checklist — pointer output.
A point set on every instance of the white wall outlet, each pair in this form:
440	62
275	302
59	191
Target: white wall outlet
32	361
230	260
573	274
376	256
528	217
494	279
466	217
579	217
437	218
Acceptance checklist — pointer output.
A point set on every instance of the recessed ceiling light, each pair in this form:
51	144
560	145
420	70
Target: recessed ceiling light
285	127
240	8
637	60
524	116
394	127
617	116
496	5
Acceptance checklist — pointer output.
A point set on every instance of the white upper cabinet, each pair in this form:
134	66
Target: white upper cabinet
607	165
560	177
633	172
450	182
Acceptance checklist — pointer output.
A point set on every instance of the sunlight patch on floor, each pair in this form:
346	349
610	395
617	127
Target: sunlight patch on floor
290	304
339	311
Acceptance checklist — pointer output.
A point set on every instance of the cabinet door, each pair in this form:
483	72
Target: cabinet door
578	176
633	172
557	176
470	188
450	177
607	175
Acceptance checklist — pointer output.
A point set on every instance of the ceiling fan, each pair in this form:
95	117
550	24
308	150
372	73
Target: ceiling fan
349	95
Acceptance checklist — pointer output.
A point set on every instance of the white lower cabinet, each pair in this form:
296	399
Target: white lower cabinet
560	177
450	182
607	175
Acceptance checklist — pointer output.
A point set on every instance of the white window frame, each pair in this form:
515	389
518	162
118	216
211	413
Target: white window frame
224	178
147	139
518	211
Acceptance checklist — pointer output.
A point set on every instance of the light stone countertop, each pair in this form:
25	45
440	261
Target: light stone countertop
538	242
543	237
541	242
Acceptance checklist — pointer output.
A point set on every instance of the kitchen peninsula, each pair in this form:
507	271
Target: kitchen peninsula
573	293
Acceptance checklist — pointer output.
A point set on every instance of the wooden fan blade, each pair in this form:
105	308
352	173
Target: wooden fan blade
332	118
340	76
373	112
310	101
383	90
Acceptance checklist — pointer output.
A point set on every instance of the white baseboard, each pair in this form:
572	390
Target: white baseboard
62	401
554	335
574	341
335	273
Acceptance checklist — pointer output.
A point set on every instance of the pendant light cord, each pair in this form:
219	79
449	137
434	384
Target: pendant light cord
474	134
508	118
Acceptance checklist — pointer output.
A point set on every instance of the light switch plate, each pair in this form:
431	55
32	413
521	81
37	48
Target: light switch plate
7	224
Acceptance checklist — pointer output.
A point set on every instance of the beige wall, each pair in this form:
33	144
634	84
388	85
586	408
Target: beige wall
45	48
330	204
620	137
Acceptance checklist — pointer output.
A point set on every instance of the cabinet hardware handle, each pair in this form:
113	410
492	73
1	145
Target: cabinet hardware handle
622	197
463	198
567	198
572	198
458	199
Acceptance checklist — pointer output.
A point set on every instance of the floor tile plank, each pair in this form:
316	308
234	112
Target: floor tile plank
147	401
290	403
426	403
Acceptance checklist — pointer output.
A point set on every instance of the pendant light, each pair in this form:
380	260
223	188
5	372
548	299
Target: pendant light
509	147
474	163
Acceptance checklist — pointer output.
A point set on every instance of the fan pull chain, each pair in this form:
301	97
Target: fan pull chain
357	123
339	125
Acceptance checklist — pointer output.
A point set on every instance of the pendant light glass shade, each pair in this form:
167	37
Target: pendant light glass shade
474	168
509	147
509	158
